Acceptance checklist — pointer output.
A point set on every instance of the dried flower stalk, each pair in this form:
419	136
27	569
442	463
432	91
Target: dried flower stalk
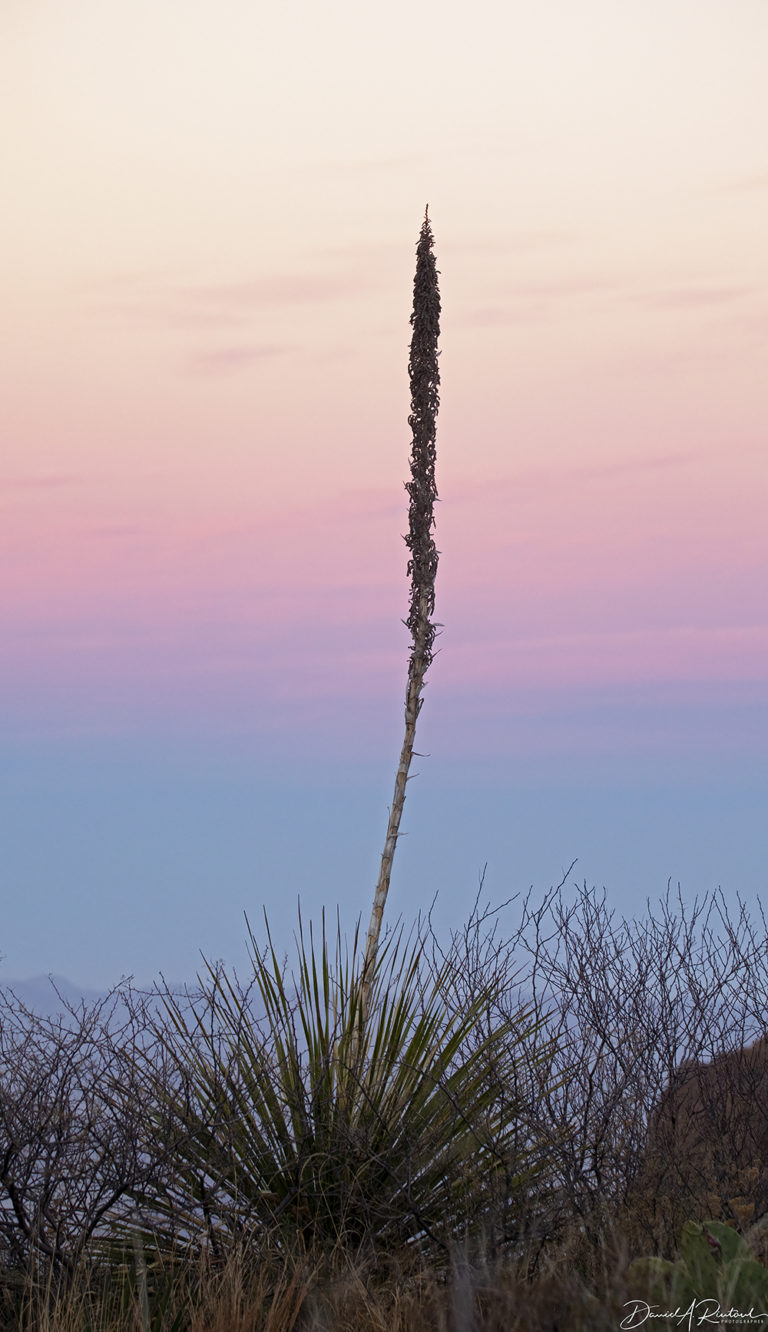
422	564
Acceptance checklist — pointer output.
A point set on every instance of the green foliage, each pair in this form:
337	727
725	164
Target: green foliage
715	1265
324	1124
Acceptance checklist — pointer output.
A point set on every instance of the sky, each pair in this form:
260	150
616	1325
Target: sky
207	244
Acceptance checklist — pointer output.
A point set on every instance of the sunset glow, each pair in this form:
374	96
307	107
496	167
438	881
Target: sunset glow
209	220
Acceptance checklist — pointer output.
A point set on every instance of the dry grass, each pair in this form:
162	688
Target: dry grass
333	1295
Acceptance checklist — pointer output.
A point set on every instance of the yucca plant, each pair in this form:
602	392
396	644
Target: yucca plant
347	1103
309	1125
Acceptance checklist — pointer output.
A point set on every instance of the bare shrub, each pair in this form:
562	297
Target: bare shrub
619	1006
73	1099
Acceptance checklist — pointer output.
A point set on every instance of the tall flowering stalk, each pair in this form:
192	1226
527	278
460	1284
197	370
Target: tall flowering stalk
422	564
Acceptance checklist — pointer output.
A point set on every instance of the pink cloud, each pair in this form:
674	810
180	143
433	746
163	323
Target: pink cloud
221	360
161	296
694	298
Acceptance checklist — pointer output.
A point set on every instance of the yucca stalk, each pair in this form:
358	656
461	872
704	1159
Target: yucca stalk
422	564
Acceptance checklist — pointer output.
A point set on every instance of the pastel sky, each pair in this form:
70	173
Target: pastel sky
207	240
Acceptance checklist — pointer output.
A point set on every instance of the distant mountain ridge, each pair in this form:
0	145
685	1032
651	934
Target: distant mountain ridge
50	994
40	993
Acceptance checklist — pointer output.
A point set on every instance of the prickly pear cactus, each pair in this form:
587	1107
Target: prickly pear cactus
715	1268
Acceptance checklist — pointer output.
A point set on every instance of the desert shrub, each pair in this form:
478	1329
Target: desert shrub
72	1100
